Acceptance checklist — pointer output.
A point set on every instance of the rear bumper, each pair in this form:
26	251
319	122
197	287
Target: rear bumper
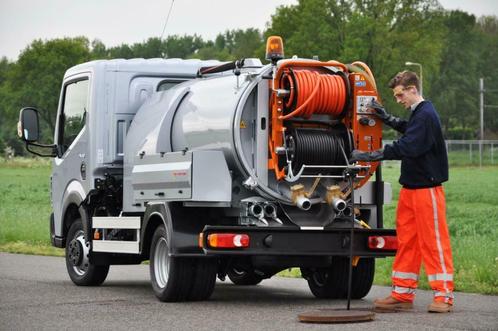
292	241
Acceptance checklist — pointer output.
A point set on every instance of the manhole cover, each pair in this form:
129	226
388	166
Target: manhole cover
336	316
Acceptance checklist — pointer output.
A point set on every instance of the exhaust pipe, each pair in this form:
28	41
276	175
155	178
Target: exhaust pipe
270	210
256	210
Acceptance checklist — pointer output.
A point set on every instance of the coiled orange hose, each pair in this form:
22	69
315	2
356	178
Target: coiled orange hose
313	92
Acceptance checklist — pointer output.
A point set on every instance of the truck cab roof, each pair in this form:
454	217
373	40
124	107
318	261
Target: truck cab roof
171	67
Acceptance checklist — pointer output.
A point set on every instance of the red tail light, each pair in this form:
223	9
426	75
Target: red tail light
389	243
228	240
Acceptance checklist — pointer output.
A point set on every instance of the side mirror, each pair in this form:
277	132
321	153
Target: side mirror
28	127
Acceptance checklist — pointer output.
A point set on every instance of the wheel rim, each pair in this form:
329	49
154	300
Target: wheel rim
320	277
78	253
238	272
161	263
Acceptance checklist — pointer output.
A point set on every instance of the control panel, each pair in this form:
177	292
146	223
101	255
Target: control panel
361	103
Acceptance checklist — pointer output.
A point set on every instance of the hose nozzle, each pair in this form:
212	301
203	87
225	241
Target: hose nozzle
338	204
298	197
303	203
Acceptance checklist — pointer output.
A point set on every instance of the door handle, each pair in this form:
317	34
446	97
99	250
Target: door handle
83	170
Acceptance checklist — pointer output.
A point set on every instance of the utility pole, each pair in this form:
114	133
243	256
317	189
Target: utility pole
481	107
481	112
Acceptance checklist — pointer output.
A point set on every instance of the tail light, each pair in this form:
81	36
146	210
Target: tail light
389	243
228	240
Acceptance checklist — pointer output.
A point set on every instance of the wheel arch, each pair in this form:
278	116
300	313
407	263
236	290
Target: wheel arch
71	212
185	224
155	215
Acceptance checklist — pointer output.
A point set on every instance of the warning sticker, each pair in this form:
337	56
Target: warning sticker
243	125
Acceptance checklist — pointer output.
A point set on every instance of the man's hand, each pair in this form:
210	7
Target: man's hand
379	110
357	155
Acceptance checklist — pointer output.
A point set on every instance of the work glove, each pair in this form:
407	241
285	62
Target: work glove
357	155
379	110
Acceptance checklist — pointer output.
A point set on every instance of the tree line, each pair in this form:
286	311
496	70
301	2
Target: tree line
455	49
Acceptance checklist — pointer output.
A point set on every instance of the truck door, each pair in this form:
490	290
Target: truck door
69	183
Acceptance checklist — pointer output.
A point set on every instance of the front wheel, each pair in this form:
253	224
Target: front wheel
79	268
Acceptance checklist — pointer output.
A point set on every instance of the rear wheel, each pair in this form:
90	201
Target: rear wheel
79	268
242	277
179	278
332	282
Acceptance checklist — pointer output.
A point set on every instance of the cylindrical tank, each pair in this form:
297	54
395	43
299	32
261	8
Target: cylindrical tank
205	118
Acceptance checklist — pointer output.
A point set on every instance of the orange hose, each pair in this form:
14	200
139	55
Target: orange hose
314	93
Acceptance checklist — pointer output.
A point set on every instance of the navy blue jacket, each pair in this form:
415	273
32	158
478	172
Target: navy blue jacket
421	149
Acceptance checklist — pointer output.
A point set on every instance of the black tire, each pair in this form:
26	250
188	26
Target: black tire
80	270
204	279
332	282
242	277
177	278
363	277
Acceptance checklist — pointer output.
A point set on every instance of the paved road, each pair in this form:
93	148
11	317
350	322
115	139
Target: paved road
36	293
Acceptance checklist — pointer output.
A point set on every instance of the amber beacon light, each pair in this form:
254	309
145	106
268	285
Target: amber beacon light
274	49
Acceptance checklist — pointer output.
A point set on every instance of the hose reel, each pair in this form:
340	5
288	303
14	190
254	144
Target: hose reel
314	147
315	92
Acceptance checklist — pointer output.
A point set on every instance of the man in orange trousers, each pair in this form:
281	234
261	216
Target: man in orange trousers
421	214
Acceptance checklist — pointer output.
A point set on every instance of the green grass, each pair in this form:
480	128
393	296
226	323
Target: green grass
472	212
24	203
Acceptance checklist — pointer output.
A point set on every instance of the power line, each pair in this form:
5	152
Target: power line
167	19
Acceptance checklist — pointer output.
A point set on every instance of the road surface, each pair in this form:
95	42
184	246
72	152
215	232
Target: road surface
36	293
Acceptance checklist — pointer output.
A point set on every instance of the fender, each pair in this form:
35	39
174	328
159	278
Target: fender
183	224
74	194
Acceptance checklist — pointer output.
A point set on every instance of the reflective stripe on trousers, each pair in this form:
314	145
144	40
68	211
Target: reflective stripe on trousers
403	290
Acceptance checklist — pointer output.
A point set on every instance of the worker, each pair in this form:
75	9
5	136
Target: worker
421	226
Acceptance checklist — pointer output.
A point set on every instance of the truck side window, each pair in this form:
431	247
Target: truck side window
73	111
167	84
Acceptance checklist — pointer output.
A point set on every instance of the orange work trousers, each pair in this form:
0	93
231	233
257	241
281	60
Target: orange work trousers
422	237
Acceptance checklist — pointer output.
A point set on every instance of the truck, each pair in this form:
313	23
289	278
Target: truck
211	169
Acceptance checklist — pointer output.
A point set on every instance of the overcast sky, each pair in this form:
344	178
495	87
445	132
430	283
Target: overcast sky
129	21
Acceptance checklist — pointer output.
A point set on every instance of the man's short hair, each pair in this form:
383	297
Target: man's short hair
405	79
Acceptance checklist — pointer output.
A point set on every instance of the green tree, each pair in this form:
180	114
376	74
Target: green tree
6	119
487	29
99	50
232	45
183	46
312	28
152	48
454	91
122	51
